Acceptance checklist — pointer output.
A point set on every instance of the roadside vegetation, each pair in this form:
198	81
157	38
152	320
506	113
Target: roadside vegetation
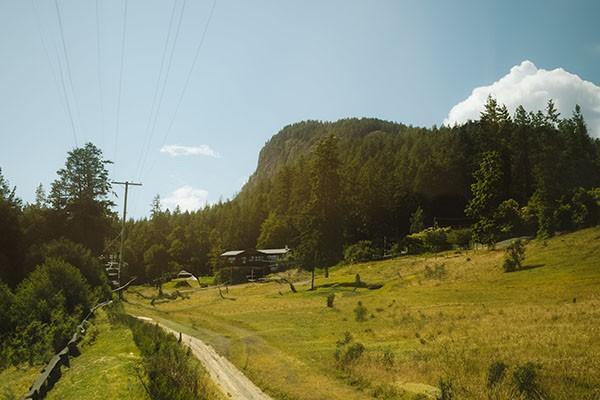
471	332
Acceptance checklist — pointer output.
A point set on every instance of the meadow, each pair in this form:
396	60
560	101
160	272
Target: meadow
438	319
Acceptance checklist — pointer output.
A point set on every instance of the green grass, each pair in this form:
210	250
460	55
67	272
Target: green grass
15	382
106	367
451	328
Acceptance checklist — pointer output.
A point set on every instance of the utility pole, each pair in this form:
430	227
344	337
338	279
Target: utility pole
126	184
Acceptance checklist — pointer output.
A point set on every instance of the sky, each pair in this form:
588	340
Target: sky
182	95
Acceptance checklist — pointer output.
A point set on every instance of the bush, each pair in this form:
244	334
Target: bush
330	299
78	256
432	239
388	359
525	381
446	390
359	252
496	373
348	352
460	238
172	371
360	312
47	307
437	272
515	254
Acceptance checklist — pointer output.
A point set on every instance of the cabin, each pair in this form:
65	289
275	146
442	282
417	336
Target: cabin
183	274
256	263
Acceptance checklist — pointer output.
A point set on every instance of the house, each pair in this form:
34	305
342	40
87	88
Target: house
183	274
256	262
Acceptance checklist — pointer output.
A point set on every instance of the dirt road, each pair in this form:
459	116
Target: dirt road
231	380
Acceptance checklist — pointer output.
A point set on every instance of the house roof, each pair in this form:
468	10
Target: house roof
233	253
274	251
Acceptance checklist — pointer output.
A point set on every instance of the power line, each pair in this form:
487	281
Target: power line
68	67
188	77
124	31
153	109
61	90
99	59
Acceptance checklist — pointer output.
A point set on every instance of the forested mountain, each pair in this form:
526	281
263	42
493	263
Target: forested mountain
365	177
320	188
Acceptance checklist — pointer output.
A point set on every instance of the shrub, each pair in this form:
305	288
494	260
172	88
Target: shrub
330	299
360	312
47	306
360	251
172	371
515	254
460	238
446	390
432	239
348	352
496	373
437	272
388	358
78	256
525	381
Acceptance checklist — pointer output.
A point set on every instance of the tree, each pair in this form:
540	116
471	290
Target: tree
486	196
515	254
11	236
321	231
416	221
80	195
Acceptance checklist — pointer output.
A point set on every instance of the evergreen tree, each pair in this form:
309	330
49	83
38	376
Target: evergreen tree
486	196
80	195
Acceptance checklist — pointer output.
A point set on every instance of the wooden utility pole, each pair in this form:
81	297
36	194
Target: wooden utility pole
126	184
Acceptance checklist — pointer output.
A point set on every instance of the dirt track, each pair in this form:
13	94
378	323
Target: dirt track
231	380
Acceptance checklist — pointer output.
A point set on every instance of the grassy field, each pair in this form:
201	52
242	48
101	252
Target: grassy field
445	316
15	382
106	367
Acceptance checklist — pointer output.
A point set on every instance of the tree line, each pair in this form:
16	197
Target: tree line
322	186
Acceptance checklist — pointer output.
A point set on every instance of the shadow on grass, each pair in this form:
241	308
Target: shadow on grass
355	285
527	267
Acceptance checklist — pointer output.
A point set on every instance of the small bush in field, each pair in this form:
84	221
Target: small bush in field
360	251
360	312
388	358
525	381
515	254
446	390
347	352
496	373
437	272
330	299
460	238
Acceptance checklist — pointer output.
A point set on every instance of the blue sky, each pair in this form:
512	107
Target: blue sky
262	65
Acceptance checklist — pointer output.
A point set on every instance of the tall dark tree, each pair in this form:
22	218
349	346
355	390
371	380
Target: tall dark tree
80	195
11	237
487	196
321	233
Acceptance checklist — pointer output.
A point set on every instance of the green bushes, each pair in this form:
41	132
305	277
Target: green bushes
360	312
460	237
515	254
171	372
360	251
523	385
347	352
44	311
431	239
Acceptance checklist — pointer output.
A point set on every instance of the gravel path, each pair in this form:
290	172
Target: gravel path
231	380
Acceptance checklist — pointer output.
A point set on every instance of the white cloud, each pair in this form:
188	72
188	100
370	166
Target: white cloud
175	150
187	198
532	87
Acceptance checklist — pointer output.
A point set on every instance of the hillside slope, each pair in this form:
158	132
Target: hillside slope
444	316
